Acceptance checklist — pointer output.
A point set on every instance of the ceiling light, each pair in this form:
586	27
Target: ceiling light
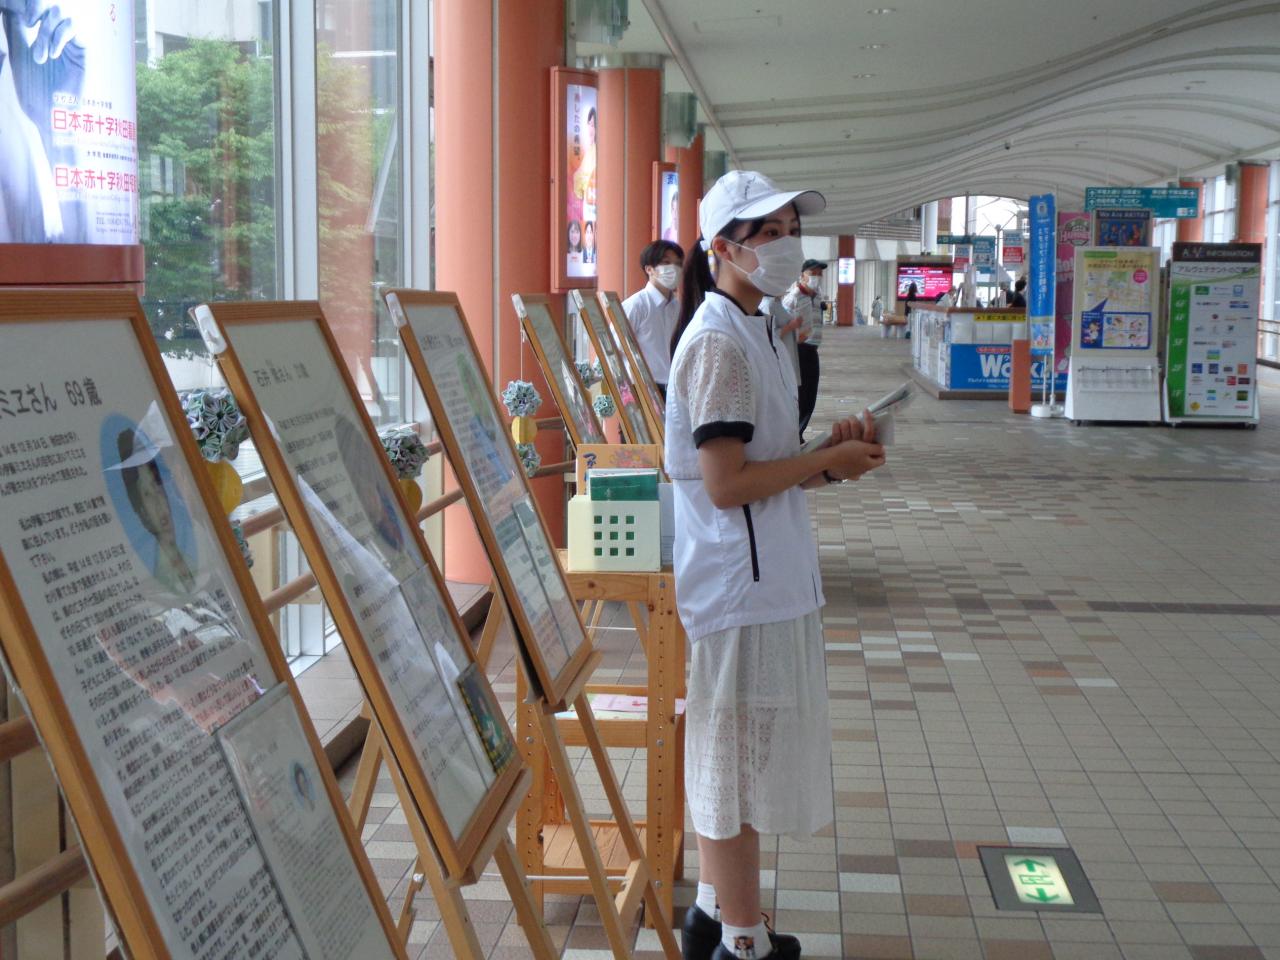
863	76
880	10
873	46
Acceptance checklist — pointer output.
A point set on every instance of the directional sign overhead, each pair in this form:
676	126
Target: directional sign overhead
1041	879
1161	201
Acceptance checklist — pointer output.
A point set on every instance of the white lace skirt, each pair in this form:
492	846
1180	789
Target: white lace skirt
758	733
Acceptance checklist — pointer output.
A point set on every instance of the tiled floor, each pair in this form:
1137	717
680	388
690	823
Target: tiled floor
1037	634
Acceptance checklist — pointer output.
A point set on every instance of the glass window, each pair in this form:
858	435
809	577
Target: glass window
358	153
207	165
1219	213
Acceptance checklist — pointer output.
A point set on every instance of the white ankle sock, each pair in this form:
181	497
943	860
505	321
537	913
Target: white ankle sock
707	900
747	943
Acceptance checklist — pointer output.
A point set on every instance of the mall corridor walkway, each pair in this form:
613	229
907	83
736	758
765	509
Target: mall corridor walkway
1039	635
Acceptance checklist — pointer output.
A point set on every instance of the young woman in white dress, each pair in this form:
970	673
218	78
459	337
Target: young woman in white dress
758	736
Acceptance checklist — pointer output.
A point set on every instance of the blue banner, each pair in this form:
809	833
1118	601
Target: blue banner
954	239
1041	272
1163	202
980	366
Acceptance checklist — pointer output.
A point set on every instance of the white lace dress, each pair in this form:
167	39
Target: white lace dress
758	730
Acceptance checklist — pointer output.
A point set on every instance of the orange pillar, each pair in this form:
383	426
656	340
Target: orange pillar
629	142
1191	229
845	291
1251	201
688	161
492	225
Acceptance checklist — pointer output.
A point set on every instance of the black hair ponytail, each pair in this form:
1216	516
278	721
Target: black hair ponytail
694	284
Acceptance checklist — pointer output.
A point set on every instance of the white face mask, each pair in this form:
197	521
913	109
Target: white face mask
778	261
814	283
667	274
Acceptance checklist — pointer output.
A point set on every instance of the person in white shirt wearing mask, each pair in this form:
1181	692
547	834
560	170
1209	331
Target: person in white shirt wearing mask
748	587
877	315
654	309
804	301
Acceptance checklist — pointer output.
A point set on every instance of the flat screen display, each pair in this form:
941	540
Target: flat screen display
931	280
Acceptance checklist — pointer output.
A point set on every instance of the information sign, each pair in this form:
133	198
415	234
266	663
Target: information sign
1117	289
132	630
1163	202
449	740
1041	274
1213	329
984	253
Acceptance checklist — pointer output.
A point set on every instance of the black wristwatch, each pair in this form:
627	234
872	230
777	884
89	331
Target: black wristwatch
829	478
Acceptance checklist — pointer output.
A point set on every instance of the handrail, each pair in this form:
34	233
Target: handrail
299	587
41	884
17	736
550	469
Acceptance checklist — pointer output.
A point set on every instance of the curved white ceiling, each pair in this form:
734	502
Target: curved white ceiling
1006	97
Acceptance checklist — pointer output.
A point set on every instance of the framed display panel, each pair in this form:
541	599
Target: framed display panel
443	729
131	628
553	355
620	327
574	210
666	202
617	378
475	433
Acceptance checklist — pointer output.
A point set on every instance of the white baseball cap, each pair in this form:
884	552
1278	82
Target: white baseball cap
746	195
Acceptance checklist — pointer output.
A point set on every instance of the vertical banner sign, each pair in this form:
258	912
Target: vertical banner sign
1015	254
68	111
669	206
1213	329
1073	231
1040	279
984	253
575	121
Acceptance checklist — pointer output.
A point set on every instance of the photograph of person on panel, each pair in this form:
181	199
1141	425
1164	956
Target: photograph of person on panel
748	586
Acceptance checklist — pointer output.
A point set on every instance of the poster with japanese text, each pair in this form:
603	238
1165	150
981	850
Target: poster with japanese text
1122	228
356	512
581	124
577	404
1213	329
137	613
472	417
68	116
282	791
612	359
1116	291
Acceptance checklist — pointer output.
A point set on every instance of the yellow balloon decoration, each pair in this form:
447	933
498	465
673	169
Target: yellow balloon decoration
524	429
412	493
227	483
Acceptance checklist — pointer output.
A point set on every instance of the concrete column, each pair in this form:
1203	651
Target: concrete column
629	142
1191	229
688	161
929	228
1251	201
493	160
845	291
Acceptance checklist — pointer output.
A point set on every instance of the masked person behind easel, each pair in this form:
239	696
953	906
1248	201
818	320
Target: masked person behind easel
804	301
758	735
652	311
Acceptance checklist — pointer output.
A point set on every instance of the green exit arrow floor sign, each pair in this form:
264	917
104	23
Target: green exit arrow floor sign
1042	879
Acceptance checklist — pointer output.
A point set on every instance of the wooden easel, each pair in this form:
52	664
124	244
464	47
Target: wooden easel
432	329
447	862
570	393
117	357
620	328
636	426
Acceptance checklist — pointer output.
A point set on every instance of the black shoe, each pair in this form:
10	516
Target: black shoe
785	947
700	936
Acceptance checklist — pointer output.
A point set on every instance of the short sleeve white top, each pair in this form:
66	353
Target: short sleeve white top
747	565
653	317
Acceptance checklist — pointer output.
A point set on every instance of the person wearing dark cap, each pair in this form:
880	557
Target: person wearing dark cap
804	303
